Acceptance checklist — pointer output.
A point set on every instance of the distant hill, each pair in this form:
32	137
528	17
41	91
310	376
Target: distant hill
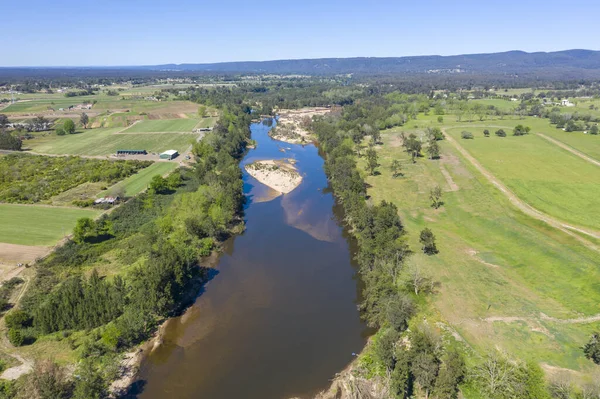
562	65
511	62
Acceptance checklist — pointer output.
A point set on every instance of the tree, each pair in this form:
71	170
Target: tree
158	185
15	337
383	348
440	119
425	369
435	195
435	133
500	133
89	384
376	136
372	161
427	239
9	142
60	131
202	111
451	374
467	135
3	121
592	348
84	229
84	120
69	126
400	309
418	281
521	130
396	167
433	150
486	133
413	146
594	130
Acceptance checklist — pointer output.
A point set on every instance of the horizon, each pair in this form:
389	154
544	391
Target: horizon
283	59
139	33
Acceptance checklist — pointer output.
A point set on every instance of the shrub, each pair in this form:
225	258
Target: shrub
60	131
17	319
467	135
440	119
15	337
521	130
486	133
500	133
69	126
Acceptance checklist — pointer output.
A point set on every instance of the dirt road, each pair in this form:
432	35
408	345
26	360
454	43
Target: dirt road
523	206
571	150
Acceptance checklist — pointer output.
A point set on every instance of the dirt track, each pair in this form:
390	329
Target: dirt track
571	150
523	206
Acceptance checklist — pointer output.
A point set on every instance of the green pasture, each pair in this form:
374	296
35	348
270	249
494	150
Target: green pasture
107	141
137	183
493	260
163	125
498	103
38	225
542	174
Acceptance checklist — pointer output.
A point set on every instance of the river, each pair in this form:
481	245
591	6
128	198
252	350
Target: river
280	317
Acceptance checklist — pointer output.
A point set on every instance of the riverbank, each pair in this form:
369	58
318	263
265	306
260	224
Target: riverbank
280	175
292	125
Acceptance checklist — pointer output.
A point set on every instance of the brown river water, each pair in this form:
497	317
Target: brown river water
279	318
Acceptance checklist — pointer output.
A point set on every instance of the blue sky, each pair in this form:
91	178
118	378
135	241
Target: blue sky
146	32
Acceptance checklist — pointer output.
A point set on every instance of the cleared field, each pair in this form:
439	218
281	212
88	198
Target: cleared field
38	225
504	105
542	174
165	125
499	269
585	143
137	183
108	141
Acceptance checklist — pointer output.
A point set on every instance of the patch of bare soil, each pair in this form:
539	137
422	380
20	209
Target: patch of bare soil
14	253
292	124
452	186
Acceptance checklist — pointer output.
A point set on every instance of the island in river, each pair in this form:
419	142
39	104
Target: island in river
280	175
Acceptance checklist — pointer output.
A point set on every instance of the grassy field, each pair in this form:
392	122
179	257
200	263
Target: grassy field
38	225
504	105
494	261
137	183
165	125
585	143
542	174
107	141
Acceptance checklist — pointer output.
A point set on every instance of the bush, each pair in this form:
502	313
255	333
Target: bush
17	319
69	126
467	135
60	131
521	130
15	337
9	142
500	133
486	133
440	119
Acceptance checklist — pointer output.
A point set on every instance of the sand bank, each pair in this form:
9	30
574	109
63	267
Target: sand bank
281	176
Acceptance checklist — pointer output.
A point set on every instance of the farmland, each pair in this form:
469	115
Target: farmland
103	141
166	125
137	183
499	269
540	173
38	224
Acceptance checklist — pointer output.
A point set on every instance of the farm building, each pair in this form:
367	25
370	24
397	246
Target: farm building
131	152
170	154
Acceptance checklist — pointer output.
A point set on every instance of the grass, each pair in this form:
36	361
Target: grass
38	225
165	125
104	141
137	183
493	260
542	174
